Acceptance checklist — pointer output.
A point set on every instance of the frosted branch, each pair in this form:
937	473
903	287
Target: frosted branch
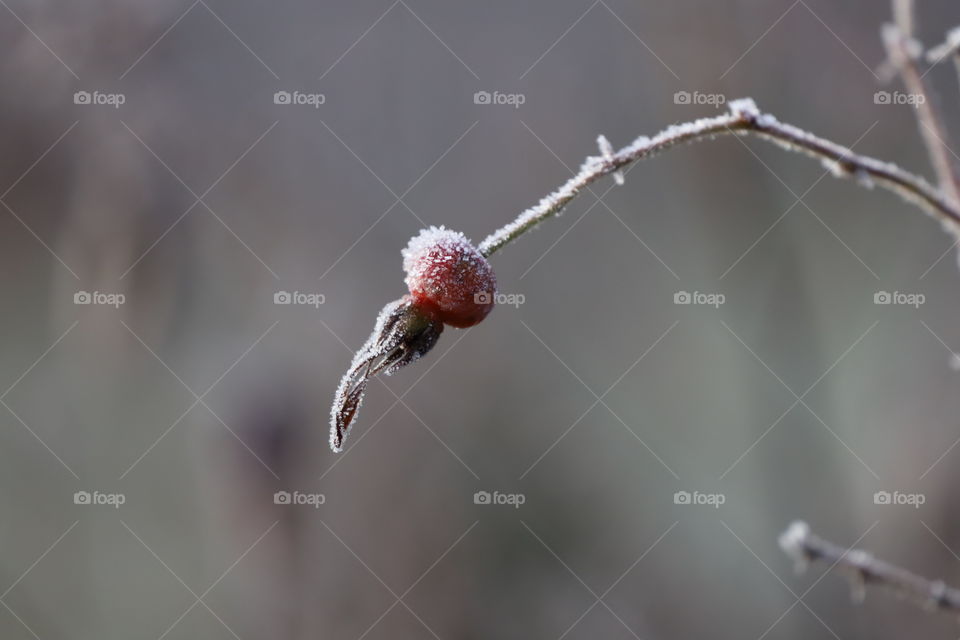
743	118
864	570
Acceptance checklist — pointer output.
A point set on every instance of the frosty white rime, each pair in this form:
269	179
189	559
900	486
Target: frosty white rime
402	334
743	118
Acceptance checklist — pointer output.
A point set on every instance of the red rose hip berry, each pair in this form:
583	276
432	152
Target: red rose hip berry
448	277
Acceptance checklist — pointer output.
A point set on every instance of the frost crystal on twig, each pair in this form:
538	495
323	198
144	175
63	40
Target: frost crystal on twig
792	541
949	47
744	108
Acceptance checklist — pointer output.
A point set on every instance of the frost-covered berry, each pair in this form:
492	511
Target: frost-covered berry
450	282
448	277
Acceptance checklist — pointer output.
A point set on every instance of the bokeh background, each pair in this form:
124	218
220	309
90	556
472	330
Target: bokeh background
596	400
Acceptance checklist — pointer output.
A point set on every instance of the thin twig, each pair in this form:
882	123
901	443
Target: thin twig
863	569
905	53
903	16
743	118
949	49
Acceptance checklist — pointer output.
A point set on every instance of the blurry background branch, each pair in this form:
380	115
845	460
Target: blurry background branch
863	569
905	53
947	50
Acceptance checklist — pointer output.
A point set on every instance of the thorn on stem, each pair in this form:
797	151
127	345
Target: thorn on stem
606	151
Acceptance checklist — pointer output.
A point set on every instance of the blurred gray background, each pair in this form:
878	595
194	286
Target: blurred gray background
597	399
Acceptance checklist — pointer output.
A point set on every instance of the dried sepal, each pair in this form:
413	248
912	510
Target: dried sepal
402	334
